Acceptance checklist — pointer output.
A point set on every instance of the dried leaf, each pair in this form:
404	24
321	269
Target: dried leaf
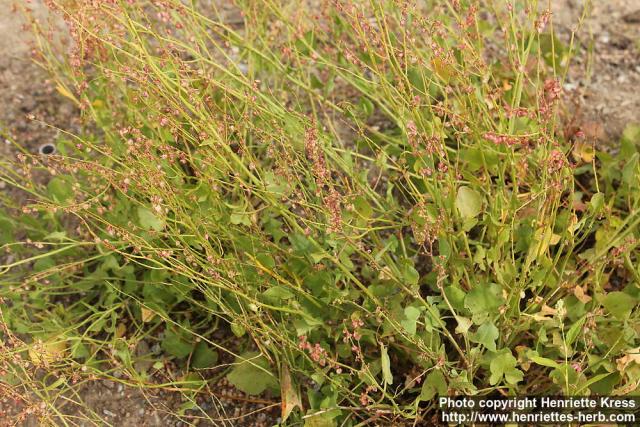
121	329
289	393
48	352
584	151
582	297
147	315
632	356
66	93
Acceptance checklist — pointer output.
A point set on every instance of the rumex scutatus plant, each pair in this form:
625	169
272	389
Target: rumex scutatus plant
376	200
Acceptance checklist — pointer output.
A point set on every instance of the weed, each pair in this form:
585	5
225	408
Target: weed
375	199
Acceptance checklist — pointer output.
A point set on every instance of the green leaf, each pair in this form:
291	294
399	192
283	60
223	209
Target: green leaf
316	257
266	260
409	274
43	264
483	301
629	171
444	247
176	344
543	361
237	329
57	235
273	227
464	325
299	243
148	220
619	304
158	293
631	134
597	202
366	105
434	384
504	365
468	202
387	376
110	262
487	334
305	43
6	230
277	293
275	185
575	330
568	378
513	376
59	189
411	315
251	374
363	207
238	218
204	356
552	49
456	296
322	419
79	350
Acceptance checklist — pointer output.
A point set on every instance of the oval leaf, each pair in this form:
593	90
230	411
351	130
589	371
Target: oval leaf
468	202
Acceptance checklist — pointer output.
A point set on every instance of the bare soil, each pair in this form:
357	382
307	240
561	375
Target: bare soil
604	77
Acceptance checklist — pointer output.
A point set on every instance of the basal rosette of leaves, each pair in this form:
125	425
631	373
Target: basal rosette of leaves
375	200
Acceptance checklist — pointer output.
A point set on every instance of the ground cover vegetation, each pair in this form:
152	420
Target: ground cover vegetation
354	206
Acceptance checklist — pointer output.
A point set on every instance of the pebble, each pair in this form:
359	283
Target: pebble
108	413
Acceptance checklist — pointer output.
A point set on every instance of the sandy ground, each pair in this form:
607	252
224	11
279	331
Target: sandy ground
604	78
602	86
24	88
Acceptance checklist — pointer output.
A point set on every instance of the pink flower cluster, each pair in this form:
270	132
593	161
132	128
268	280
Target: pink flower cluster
356	324
502	139
364	396
556	161
316	352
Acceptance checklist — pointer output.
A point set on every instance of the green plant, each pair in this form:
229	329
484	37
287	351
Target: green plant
372	199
